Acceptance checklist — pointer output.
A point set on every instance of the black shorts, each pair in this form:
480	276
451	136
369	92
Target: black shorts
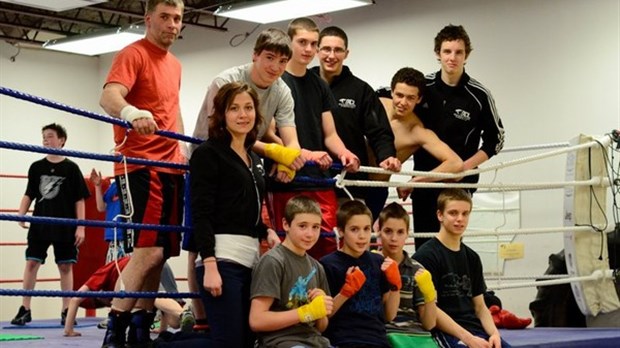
64	252
158	200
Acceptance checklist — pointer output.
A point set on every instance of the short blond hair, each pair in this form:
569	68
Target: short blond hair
304	23
301	205
453	194
151	4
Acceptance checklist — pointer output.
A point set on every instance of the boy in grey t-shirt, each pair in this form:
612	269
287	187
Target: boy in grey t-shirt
290	294
272	52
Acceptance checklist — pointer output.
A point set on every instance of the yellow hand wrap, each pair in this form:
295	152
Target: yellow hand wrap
287	170
312	311
425	284
281	154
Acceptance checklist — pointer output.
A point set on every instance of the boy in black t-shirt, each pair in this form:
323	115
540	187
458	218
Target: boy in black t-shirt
57	187
456	269
318	137
367	285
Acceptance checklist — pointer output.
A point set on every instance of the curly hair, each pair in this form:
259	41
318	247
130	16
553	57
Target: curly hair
452	33
410	77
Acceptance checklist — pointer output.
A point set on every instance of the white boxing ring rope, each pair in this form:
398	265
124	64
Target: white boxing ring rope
542	276
597	275
584	282
498	187
603	142
508	232
535	147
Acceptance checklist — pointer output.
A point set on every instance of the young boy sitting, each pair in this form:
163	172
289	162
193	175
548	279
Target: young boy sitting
367	285
290	293
462	316
417	312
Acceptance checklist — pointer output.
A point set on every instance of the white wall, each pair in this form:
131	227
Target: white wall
68	79
552	67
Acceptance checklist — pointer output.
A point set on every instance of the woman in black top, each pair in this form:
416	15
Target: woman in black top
227	187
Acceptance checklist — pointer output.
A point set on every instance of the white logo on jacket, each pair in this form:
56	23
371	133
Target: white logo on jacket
261	170
346	103
462	114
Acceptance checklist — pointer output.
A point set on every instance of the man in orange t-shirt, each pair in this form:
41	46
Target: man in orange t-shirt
142	88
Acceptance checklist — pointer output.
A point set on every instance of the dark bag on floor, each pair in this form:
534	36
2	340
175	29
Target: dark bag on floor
180	339
555	305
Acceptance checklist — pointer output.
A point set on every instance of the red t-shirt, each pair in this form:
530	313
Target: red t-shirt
153	77
104	279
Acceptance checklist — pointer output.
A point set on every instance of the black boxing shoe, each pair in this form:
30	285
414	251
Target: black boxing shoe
115	335
23	316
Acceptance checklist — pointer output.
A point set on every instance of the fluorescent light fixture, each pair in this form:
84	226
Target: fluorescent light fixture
55	5
98	42
269	11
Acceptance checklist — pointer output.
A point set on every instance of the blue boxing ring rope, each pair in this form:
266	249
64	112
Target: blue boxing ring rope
116	158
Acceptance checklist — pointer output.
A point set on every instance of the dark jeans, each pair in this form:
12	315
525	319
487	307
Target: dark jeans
448	341
228	314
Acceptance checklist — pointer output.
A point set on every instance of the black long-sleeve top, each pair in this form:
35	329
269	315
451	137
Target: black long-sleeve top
463	116
226	195
360	116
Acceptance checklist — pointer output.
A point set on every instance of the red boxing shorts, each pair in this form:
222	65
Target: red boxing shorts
158	200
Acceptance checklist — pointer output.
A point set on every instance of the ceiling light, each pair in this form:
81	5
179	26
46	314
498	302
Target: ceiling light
55	5
269	11
99	42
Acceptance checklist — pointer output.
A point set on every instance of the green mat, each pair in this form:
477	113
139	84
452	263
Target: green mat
11	337
398	340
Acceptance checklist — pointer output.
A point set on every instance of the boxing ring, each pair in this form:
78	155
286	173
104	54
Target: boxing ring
588	174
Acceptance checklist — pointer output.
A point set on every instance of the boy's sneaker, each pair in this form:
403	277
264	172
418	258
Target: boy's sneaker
23	316
63	317
187	320
103	324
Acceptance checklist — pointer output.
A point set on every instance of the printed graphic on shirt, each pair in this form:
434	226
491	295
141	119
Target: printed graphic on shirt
49	186
455	285
298	296
366	299
346	103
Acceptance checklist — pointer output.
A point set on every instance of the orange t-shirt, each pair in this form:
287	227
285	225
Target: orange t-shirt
153	77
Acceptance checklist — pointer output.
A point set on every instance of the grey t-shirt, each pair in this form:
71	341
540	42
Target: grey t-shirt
286	277
276	101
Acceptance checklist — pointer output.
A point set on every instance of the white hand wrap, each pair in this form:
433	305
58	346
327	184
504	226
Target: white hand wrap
131	113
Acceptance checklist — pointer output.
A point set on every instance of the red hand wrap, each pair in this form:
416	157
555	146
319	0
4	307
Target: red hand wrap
393	275
353	283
